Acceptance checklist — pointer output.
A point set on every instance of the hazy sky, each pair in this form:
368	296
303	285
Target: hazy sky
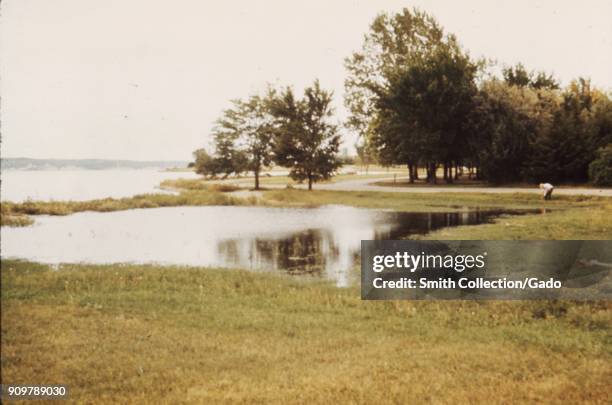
131	79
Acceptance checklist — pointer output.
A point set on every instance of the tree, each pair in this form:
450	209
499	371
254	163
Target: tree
580	126
228	159
409	89
520	77
600	169
395	140
389	48
503	131
243	138
517	75
204	163
432	98
544	81
506	121
366	155
253	123
306	141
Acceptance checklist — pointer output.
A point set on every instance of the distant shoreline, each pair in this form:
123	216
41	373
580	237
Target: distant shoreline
87	164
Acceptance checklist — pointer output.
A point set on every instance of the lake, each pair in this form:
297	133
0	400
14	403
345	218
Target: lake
321	241
82	185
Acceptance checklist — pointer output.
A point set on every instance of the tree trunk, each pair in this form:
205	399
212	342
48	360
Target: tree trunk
432	173
309	181
448	172
415	168
411	172
256	173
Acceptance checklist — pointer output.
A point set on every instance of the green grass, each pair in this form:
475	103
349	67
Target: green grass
264	180
587	223
197	184
127	333
209	196
427	202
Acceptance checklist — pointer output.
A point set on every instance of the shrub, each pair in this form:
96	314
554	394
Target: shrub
600	169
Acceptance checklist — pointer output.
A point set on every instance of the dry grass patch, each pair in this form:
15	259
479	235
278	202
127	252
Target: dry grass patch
186	198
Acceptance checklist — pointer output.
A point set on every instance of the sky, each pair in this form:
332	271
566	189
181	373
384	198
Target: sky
146	79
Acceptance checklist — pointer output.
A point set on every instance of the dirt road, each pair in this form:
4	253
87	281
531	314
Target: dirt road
368	185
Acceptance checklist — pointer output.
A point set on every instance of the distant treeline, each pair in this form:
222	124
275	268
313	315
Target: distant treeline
417	98
89	164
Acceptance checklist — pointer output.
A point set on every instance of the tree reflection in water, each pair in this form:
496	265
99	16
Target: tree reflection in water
333	252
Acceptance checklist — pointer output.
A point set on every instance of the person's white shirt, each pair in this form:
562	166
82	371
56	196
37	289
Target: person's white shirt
547	187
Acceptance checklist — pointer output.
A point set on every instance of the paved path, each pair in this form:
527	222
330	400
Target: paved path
367	185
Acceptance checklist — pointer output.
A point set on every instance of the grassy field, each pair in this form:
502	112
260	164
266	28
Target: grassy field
185	335
587	223
128	333
284	180
426	202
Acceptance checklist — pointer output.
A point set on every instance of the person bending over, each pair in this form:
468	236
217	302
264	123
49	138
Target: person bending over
548	189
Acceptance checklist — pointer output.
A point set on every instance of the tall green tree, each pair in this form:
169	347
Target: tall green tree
392	44
432	99
306	142
600	169
502	126
408	89
243	137
579	128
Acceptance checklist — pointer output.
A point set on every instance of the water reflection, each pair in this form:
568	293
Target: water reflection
319	241
335	250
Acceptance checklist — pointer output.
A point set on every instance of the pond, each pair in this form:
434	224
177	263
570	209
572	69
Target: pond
321	241
82	185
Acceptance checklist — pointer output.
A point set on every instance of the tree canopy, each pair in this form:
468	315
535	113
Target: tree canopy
243	140
307	141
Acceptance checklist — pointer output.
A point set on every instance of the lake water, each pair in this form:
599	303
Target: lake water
321	241
82	185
